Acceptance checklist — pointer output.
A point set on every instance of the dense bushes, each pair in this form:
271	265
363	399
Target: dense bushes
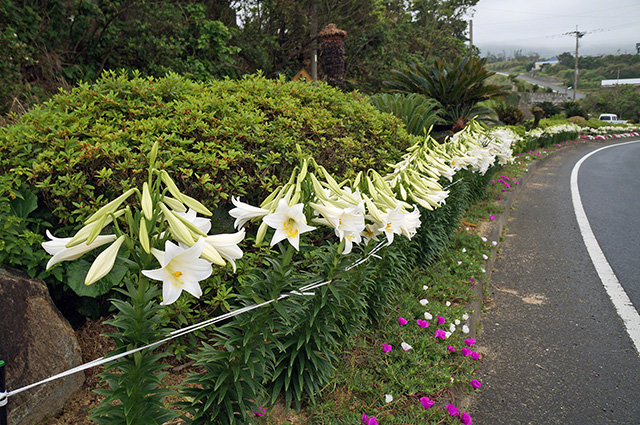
228	138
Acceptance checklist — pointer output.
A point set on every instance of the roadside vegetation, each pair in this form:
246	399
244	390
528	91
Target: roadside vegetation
348	228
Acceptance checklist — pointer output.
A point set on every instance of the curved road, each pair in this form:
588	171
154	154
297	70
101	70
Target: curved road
556	351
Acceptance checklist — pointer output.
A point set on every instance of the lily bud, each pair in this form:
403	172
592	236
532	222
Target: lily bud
104	262
178	229
110	207
147	203
144	235
174	204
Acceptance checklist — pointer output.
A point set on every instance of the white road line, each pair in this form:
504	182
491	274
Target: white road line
616	292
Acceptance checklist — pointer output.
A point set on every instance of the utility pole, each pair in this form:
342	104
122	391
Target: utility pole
578	35
314	35
471	33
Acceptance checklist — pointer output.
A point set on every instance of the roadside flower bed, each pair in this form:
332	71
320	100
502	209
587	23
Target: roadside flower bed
340	256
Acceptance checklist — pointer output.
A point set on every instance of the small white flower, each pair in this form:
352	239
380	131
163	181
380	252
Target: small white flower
483	270
485	256
448	303
428	315
424	301
226	245
289	223
465	329
425	287
452	328
201	223
459	262
180	270
245	212
447	334
405	346
464	249
58	248
388	398
494	243
465	316
457	322
484	239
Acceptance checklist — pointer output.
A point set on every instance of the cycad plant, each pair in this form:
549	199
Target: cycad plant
418	112
458	86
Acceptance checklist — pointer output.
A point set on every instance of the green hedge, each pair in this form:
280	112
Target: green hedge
222	139
65	159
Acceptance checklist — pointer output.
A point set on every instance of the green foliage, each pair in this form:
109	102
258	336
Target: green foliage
418	112
60	43
550	109
509	114
572	108
458	86
89	145
216	140
623	101
135	394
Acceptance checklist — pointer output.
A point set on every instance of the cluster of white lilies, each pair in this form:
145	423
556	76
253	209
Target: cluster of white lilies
170	226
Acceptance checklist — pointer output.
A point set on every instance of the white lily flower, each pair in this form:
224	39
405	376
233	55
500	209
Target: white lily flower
424	301
393	220
428	315
405	346
226	244
349	240
181	270
245	212
191	216
289	223
388	398
465	329
58	248
104	262
411	222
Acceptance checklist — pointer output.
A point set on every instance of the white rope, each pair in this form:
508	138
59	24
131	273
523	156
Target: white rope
303	291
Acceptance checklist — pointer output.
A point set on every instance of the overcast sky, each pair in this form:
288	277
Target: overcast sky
536	26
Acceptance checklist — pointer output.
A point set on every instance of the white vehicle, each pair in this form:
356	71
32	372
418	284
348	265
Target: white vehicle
611	118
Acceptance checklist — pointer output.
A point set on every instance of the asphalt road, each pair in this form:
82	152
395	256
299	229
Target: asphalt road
556	351
545	83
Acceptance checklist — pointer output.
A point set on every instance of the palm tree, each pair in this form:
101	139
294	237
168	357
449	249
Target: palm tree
457	86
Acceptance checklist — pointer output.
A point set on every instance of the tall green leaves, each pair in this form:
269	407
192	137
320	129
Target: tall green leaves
417	112
458	86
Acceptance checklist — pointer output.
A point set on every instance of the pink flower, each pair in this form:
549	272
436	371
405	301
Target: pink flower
465	351
402	321
426	403
440	334
261	412
386	347
475	383
453	410
492	217
475	355
465	418
422	323
369	420
451	348
469	342
440	320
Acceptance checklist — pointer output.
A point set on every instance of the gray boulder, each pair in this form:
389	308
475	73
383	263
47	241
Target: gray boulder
36	342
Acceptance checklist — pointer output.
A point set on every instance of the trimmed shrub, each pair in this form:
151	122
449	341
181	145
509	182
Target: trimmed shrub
222	139
65	159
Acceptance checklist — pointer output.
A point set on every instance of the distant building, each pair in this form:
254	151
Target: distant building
551	62
620	81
